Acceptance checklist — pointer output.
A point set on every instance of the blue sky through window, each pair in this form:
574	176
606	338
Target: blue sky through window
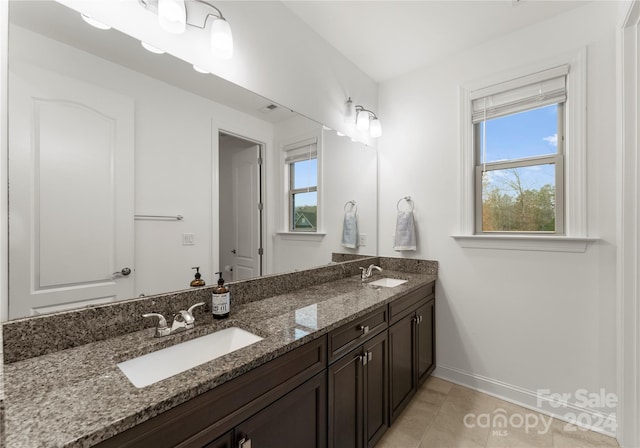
306	175
526	134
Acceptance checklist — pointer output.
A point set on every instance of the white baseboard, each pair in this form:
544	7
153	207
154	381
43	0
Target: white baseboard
568	411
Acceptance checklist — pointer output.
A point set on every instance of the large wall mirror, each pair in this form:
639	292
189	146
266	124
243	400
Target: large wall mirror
128	168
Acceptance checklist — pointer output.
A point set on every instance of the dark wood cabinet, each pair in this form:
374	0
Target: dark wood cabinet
358	395
225	441
375	364
296	420
411	351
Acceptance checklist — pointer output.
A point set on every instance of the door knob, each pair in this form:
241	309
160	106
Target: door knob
124	271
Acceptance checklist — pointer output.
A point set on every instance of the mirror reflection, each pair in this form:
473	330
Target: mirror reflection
128	169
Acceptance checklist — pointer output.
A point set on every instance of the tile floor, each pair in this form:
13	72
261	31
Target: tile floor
435	418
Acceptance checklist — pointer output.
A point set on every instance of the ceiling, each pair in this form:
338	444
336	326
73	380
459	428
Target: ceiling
386	39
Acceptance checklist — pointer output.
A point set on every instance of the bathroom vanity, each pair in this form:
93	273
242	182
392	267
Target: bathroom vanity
338	361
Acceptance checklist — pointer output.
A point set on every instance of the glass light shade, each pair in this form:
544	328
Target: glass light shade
349	111
221	39
200	69
172	16
362	120
151	48
94	23
375	130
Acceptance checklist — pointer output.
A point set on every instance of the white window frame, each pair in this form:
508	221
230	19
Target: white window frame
299	151
575	238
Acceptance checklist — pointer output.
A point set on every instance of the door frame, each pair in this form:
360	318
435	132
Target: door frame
628	217
262	150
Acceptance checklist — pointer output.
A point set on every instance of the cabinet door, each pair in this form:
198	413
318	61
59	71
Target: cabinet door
401	364
425	337
346	402
376	388
299	419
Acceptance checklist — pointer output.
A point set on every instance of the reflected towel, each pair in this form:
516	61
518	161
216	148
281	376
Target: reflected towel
405	232
350	230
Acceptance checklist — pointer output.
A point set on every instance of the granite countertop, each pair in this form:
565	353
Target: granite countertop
79	397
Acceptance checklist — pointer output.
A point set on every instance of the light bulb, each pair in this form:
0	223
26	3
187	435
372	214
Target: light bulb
172	16
221	39
95	23
362	120
151	48
375	130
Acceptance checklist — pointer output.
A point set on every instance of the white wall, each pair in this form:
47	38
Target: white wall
276	55
509	322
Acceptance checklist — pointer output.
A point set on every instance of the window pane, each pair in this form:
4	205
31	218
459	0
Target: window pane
305	173
519	199
526	134
305	211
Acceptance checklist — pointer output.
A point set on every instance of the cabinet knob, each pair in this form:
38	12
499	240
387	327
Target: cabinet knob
244	443
364	329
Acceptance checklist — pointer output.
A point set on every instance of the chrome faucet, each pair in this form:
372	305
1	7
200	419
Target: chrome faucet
182	321
368	272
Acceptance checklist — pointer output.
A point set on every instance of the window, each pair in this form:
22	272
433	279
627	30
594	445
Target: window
519	154
302	165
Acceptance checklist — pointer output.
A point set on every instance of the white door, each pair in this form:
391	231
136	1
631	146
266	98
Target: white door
70	193
246	213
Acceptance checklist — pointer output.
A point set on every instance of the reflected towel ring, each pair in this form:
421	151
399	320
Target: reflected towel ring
353	205
408	199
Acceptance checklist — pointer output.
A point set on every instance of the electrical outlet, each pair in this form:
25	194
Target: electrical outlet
362	239
188	239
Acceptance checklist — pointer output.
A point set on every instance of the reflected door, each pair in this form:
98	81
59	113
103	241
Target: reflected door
246	212
70	193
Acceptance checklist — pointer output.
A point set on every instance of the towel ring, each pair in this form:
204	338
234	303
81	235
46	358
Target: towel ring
353	205
408	199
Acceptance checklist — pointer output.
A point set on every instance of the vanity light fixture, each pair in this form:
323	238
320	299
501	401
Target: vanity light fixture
151	48
200	69
173	17
349	110
94	23
367	120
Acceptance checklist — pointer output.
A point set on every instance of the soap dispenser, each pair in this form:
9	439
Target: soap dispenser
220	300
197	281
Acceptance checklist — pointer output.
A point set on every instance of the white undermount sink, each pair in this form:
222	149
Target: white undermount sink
388	282
159	365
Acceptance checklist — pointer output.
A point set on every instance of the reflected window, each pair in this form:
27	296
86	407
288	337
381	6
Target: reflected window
302	163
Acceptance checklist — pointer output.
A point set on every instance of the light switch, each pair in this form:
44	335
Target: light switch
362	239
188	239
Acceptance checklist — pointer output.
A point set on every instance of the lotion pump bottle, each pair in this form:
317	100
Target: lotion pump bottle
197	281
220	303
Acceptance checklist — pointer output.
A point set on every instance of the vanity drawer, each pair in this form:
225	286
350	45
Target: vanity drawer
343	339
400	307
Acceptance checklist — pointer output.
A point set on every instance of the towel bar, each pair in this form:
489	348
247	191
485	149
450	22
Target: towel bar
353	204
408	199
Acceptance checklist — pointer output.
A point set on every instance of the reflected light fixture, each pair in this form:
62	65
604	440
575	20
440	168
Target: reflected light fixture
94	23
151	48
366	120
349	110
173	17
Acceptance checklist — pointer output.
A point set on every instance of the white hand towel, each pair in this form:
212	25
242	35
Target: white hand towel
350	230
405	232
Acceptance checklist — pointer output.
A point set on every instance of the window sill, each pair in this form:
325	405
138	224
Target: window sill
525	242
301	236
